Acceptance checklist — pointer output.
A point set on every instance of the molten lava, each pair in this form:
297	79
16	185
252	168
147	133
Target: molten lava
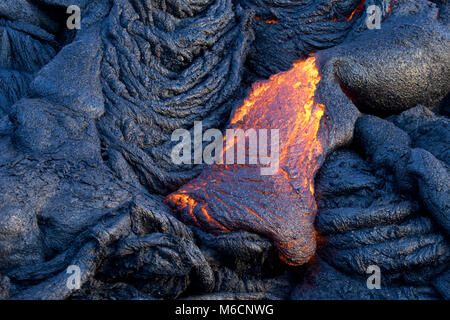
266	21
357	10
281	206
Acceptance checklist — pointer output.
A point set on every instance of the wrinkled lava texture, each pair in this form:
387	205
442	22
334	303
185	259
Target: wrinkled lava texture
279	205
86	176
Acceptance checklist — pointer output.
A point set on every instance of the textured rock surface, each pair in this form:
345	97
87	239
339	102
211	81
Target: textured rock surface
365	220
85	124
299	27
190	56
387	72
278	206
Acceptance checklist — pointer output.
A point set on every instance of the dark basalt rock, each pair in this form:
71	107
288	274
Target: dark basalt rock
85	123
280	210
416	169
323	282
17	66
442	284
164	68
373	224
373	219
427	131
5	287
299	28
387	72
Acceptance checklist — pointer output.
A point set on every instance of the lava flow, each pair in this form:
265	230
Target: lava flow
233	197
357	10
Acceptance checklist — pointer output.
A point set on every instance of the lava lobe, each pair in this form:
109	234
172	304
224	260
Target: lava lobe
232	197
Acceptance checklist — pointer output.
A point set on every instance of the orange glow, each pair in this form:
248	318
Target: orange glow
188	203
357	10
185	201
391	3
286	101
266	21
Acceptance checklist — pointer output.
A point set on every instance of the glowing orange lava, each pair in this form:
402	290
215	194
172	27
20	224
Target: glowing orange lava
357	10
286	102
266	21
282	206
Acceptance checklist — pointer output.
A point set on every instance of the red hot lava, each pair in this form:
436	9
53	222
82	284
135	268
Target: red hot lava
227	198
357	10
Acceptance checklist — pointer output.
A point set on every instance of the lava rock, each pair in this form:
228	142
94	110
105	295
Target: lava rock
372	225
4	287
323	282
416	170
162	69
286	31
403	64
85	126
427	131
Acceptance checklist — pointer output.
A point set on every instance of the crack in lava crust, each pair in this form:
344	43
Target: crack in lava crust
226	198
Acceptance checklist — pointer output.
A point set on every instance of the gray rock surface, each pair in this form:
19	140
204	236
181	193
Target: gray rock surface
85	124
387	72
